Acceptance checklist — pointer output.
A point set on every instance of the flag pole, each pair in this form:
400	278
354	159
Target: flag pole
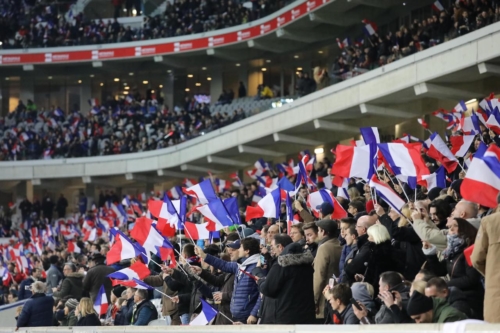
223	315
402	189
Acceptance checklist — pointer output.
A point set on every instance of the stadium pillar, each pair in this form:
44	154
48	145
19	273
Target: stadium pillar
292	86
22	190
168	91
216	84
90	194
85	95
27	91
282	82
4	100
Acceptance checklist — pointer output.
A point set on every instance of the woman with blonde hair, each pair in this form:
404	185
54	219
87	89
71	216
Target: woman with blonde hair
407	243
373	258
86	313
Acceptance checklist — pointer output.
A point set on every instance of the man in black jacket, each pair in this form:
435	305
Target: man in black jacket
97	276
290	282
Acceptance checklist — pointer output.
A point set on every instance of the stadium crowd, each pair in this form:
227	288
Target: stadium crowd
377	49
352	260
115	127
27	23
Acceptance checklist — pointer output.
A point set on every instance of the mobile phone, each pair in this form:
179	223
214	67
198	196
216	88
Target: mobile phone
262	260
331	283
355	303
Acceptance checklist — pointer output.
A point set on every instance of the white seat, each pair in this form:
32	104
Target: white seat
158	322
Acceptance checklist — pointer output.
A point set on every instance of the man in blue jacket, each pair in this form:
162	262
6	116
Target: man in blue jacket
38	310
245	301
25	286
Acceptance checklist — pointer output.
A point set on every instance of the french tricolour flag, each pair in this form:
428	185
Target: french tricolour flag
470	124
345	43
437	6
370	28
93	102
222	185
204	191
197	231
446	116
101	302
134	283
236	179
217	212
123	248
493	121
149	238
24	137
73	248
460	144
422	122
355	161
437	179
137	270
482	181
169	211
268	206
460	107
439	151
370	135
405	160
387	194
175	192
189	182
206	315
317	198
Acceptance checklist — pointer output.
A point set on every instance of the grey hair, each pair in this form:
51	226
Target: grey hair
142	293
38	287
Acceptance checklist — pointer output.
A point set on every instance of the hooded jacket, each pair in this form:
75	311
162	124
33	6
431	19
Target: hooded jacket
387	316
360	293
71	285
290	283
246	300
457	299
445	313
37	311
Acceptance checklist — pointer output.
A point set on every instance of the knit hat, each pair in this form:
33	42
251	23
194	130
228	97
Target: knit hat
71	303
419	304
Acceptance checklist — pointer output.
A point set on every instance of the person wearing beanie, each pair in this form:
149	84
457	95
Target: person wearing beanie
326	262
427	310
434	193
69	317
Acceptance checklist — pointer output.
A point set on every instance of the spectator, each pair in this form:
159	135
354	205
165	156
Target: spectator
144	310
86	314
437	287
326	262
38	310
311	234
242	91
25	286
461	234
72	285
345	224
70	318
169	308
297	234
54	275
426	310
97	276
340	302
351	242
61	206
290	282
245	301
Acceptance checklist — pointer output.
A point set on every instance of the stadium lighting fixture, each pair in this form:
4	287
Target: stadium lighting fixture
7	78
238	65
92	75
209	79
145	82
268	60
296	56
203	68
299	68
187	89
126	88
320	52
131	74
116	79
50	77
319	150
152	91
79	81
197	84
264	69
190	75
161	86
471	101
102	84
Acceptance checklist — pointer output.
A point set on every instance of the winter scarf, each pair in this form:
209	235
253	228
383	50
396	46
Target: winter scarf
456	245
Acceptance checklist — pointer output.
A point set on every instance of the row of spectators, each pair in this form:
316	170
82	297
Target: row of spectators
25	25
380	49
365	268
115	127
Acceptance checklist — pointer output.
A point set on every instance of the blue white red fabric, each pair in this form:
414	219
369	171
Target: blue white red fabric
175	192
315	199
236	180
345	43
150	239
370	135
73	248
122	248
447	117
101	302
189	182
385	192
436	179
460	144
405	161
470	125
355	161
206	315
222	185
437	6
232	208
342	190
439	151
134	283
460	107
216	212
204	191
268	206
197	231
168	211
370	28
137	270
493	121
482	181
